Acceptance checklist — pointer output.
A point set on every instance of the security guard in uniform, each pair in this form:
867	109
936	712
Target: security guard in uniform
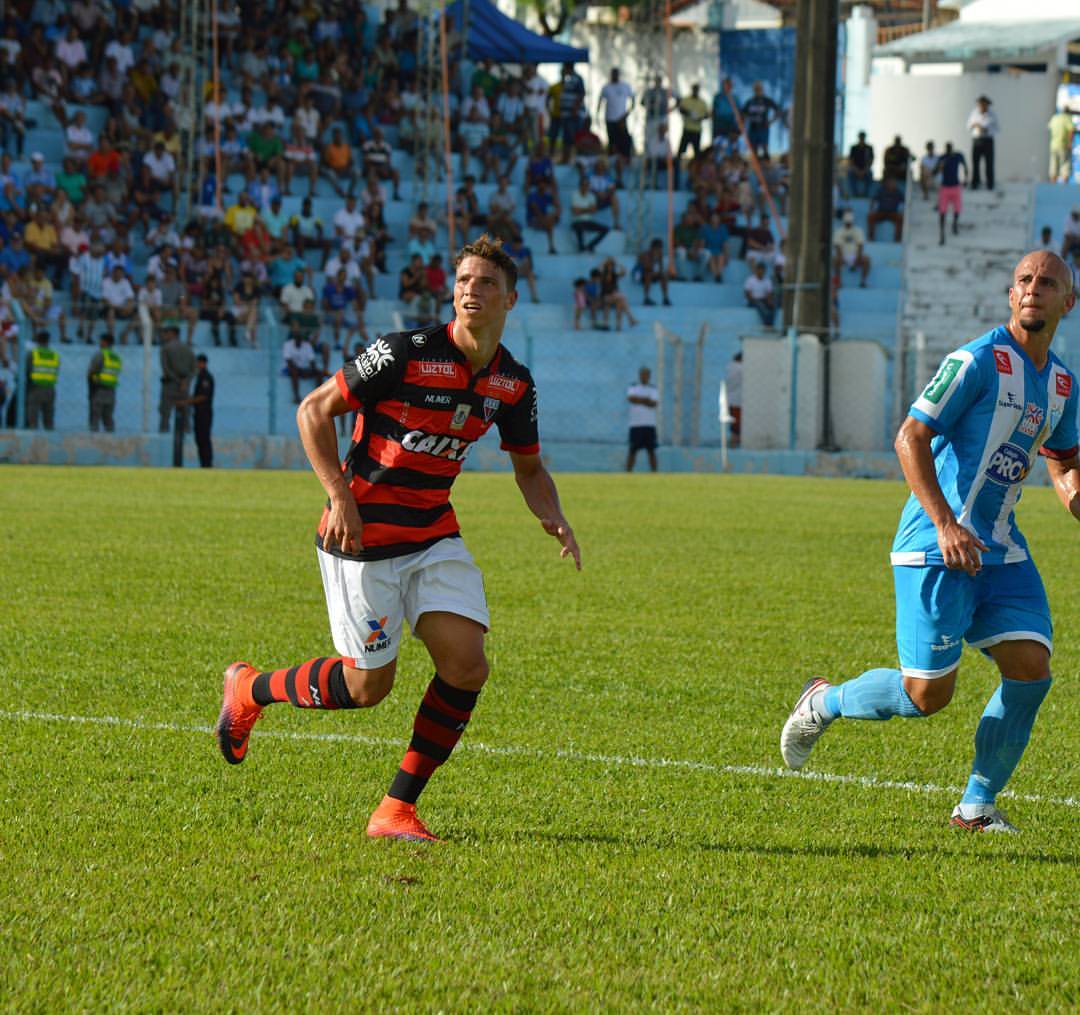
43	369
103	374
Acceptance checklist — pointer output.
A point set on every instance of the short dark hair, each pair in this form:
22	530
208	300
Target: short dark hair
490	249
201	358
106	336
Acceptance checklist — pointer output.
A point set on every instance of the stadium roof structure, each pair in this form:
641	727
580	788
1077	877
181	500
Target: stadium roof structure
494	36
984	40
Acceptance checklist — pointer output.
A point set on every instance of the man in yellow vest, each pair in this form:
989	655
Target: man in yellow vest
103	375
42	369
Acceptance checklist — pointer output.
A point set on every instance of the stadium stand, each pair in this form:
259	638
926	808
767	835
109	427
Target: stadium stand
296	65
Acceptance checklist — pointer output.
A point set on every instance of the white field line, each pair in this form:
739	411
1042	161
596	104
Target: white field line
581	757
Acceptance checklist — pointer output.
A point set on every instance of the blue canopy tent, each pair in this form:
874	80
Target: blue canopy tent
494	36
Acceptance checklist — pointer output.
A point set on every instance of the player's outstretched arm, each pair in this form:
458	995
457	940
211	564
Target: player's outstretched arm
538	489
960	548
1065	475
315	420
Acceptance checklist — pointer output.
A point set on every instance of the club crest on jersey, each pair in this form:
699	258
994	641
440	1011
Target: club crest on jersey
1008	465
1032	420
1063	385
451	448
373	359
461	415
1003	361
491	406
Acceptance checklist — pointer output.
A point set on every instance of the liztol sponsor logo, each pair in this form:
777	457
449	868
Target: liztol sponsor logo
1008	465
373	359
453	449
434	369
1032	419
501	382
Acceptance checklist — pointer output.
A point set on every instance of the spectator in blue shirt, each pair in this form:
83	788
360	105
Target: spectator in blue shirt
542	210
716	235
887	205
284	266
14	257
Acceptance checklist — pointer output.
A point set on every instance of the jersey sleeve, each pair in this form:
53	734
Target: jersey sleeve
1065	440
375	373
952	391
518	429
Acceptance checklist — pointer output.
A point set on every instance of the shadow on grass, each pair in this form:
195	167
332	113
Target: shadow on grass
868	851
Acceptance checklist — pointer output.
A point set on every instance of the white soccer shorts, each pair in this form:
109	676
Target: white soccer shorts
368	600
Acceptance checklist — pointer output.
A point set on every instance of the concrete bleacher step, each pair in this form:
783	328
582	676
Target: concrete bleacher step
958	290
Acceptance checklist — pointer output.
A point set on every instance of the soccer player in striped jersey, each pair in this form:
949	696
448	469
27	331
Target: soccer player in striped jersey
388	543
961	568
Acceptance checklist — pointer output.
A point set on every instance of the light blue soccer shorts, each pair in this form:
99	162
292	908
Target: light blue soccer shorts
937	610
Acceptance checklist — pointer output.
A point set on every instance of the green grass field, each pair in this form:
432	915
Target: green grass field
620	834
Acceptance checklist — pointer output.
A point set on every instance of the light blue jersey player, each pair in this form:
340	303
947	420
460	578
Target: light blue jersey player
961	567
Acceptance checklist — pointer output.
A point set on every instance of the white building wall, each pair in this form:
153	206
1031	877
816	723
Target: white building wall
1008	10
921	108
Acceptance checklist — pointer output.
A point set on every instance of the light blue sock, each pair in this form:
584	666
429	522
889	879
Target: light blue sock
875	694
1002	735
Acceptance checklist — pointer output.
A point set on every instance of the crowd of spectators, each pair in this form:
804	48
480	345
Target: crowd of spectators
89	237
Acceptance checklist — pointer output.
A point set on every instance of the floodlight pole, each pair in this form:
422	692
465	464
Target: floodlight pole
812	163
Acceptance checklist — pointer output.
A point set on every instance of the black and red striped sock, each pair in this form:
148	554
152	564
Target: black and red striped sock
443	715
318	683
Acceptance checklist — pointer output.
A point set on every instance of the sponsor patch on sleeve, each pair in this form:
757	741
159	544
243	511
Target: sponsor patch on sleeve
942	379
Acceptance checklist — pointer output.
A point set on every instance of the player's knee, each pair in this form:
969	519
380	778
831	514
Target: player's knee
470	673
930	696
368	687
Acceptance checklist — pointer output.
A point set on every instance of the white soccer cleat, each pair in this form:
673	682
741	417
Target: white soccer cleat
803	726
980	818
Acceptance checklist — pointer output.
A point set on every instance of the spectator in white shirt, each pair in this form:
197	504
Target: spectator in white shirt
308	118
349	220
118	295
123	52
150	302
300	360
79	138
296	293
162	166
761	294
71	50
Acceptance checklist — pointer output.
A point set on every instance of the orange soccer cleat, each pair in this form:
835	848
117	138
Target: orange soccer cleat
238	712
395	819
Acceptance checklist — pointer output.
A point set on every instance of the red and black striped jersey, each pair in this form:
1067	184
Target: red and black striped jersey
421	408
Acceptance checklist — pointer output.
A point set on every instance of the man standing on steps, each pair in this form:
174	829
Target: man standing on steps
951	194
961	567
982	124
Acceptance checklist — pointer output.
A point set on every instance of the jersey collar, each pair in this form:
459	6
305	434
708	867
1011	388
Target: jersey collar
455	351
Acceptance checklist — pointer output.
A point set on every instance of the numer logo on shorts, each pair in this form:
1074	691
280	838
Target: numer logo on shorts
378	639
